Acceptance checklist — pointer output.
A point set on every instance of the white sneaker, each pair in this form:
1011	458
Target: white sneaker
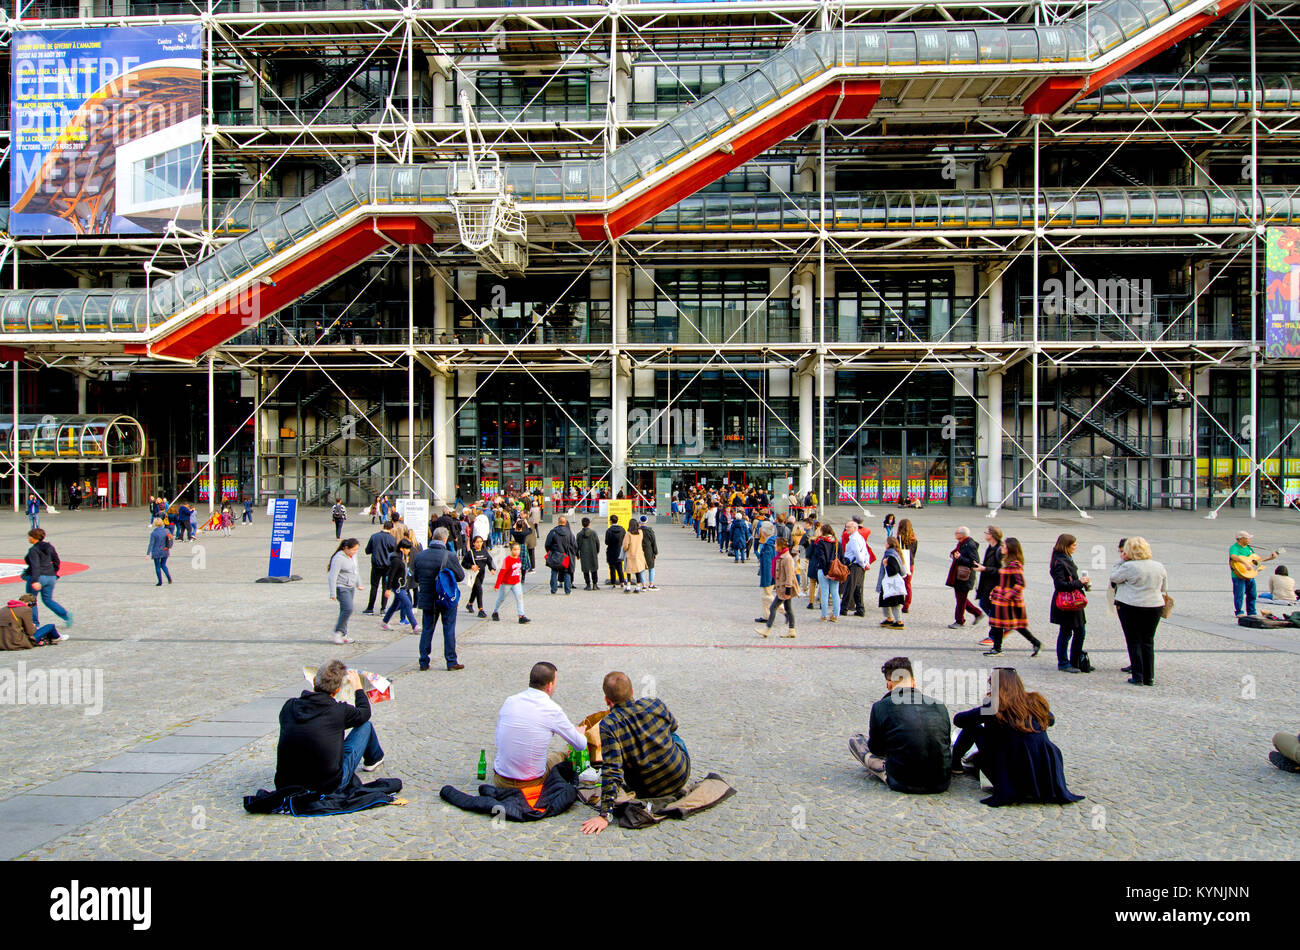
340	639
386	626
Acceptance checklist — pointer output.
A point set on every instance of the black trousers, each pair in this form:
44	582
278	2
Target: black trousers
1139	626
851	599
378	581
616	572
338	529
476	591
996	634
591	578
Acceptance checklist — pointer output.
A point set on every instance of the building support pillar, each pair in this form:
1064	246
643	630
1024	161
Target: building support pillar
212	434
443	434
807	434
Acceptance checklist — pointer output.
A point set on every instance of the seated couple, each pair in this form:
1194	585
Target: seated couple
908	748
634	743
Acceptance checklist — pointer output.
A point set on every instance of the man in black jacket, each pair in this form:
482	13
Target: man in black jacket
561	544
313	753
381	547
614	552
908	745
428	565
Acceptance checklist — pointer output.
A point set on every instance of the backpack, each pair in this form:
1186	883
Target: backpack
446	590
338	513
1085	664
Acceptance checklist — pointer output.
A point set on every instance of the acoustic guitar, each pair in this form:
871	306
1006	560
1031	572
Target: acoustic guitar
1248	567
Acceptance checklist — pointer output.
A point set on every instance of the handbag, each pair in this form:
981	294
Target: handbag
962	574
1071	600
837	571
893	585
1168	608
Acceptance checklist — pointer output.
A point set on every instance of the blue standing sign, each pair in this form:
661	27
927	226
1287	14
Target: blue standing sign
284	514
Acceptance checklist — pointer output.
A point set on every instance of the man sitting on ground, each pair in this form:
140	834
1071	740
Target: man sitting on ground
313	754
524	728
640	750
908	746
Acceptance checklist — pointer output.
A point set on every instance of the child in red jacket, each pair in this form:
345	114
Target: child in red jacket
511	578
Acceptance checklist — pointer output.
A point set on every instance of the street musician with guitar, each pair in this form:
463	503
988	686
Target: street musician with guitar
1244	564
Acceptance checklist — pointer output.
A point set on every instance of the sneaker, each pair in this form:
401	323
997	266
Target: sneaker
980	619
367	613
482	613
385	626
992	652
653	587
373	765
809	607
986	642
67	621
494	615
898	625
1069	669
524	620
424	667
762	632
58	638
788	635
886	623
955	625
340	639
835	620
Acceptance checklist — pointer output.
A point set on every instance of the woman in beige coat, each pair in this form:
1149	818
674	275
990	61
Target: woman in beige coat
633	559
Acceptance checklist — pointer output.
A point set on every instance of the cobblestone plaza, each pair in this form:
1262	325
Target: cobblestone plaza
194	674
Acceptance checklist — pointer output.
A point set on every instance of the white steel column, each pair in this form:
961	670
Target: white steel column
212	435
410	366
441	439
1033	421
257	434
1256	234
13	446
618	289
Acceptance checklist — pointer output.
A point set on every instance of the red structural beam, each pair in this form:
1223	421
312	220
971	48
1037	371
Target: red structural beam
851	99
303	274
1055	92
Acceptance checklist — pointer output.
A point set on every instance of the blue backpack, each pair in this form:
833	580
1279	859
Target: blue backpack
446	591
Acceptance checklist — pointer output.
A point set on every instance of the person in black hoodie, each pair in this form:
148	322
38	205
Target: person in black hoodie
312	752
614	552
42	572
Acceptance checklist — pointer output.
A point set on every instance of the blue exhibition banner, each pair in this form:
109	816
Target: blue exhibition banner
106	129
284	514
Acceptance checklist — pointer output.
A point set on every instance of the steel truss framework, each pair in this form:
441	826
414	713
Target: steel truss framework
917	123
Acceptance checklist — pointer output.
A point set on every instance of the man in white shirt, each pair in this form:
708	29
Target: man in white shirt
482	527
524	728
855	553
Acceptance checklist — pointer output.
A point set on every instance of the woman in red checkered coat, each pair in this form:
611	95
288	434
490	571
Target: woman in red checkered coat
1008	600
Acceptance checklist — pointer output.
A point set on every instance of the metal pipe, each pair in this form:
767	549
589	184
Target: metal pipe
212	434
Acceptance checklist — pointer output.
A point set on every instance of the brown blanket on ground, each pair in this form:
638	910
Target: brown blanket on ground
630	812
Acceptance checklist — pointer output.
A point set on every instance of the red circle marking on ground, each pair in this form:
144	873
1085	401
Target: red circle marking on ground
11	567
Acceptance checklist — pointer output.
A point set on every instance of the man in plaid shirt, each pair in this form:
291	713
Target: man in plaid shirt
639	748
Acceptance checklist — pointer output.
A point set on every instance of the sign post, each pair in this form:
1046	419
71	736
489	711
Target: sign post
284	516
415	515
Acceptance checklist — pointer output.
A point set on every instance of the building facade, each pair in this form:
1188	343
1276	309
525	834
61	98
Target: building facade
1002	254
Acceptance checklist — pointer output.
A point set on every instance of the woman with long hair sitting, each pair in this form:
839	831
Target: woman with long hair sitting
1010	730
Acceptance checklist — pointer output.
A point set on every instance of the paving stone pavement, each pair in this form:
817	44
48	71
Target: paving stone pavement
194	673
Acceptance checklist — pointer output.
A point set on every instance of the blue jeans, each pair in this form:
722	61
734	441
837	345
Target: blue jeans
517	590
160	569
430	617
361	745
401	601
47	631
649	576
345	596
828	588
560	576
35	521
1240	586
47	598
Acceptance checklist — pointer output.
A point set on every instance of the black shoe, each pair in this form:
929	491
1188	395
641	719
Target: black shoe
1127	669
367	613
424	667
760	620
992	652
1133	681
482	613
1038	645
494	615
810	607
524	620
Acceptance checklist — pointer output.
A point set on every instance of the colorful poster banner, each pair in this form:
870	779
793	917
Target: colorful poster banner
848	490
106	130
870	491
1282	294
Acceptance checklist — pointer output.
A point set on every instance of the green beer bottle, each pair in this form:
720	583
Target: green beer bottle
482	764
